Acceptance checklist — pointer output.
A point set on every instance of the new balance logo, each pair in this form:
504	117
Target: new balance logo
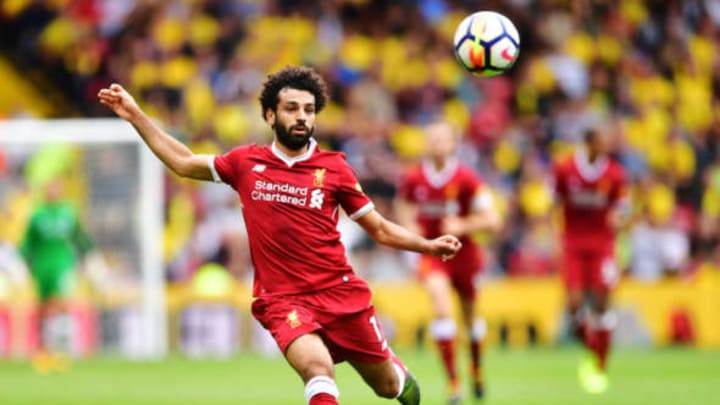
317	197
259	168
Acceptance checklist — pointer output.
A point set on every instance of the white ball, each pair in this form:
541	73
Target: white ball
487	43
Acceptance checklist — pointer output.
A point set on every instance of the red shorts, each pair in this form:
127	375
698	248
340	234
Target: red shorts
341	315
461	270
593	269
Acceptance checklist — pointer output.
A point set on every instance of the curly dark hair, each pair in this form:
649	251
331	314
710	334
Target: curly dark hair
294	77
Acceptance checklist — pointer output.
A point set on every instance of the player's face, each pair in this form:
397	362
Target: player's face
600	143
440	141
54	191
294	120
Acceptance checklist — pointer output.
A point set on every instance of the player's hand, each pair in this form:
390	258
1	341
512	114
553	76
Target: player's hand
452	225
445	246
119	101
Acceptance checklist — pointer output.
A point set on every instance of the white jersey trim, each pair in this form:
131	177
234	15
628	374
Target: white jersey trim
213	170
590	171
291	160
439	178
362	211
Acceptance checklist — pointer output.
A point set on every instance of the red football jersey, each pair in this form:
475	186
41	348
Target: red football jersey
588	191
455	190
290	206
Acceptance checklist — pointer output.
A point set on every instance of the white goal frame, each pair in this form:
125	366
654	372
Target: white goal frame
148	212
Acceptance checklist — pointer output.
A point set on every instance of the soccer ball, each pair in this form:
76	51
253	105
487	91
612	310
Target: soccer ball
487	43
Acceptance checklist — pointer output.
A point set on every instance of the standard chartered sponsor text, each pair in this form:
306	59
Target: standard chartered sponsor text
279	192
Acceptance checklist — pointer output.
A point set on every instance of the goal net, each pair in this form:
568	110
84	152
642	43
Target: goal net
116	184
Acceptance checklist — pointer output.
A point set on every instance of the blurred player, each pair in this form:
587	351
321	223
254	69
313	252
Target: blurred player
591	189
444	196
54	241
306	294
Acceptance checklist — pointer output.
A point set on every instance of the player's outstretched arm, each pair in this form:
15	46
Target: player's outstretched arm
486	220
483	216
176	156
393	235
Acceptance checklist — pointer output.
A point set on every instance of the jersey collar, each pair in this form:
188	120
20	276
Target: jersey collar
438	178
590	171
291	160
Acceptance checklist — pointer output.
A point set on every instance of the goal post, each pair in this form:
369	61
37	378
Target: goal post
141	237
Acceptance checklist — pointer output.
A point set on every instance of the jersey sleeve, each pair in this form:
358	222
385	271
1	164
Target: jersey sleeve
81	239
480	196
350	195
226	168
619	196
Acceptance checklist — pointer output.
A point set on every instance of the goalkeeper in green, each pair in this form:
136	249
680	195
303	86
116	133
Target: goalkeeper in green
54	243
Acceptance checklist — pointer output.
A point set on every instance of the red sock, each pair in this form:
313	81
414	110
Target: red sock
475	360
601	346
323	399
447	353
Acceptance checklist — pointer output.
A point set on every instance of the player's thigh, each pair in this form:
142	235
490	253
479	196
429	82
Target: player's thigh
356	337
439	287
309	356
381	377
467	307
285	319
572	272
605	275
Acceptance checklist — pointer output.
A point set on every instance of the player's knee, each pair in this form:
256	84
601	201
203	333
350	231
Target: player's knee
388	387
315	368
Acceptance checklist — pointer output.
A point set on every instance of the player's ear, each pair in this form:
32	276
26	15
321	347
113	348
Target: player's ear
270	116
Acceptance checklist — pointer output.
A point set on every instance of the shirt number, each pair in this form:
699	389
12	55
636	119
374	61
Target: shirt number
376	327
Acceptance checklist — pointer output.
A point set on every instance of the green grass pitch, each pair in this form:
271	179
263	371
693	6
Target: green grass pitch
518	377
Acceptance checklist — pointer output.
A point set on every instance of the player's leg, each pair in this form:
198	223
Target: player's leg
389	379
60	327
477	329
295	330
600	326
602	319
593	375
572	267
359	339
42	360
443	328
311	359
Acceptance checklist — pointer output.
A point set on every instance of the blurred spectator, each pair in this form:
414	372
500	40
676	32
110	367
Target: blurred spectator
658	246
648	67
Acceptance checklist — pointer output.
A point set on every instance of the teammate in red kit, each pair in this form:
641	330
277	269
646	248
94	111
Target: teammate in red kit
591	187
306	295
444	196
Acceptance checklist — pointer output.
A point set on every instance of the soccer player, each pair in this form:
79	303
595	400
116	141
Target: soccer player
591	188
54	241
306	294
444	196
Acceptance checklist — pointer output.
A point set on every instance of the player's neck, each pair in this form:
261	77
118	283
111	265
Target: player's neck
290	152
593	157
439	164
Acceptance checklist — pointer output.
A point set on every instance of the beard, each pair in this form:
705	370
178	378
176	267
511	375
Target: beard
293	141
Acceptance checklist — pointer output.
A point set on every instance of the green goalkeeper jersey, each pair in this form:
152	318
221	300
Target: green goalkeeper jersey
54	240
